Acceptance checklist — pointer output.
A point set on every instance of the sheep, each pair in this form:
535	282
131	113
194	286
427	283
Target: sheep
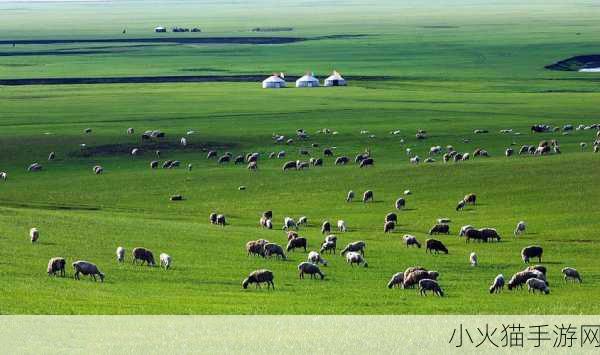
56	266
430	285
583	145
310	269
301	165
534	284
366	162
474	234
391	217
220	221
224	159
328	152
254	248
439	229
470	199
154	164
407	192
281	154
144	255
519	278
489	234
532	251
189	167
341	160
303	220
326	227
473	259
51	156
87	131
251	157
571	274
290	165
252	166
412	276
239	160
498	284
457	157
350	196
34	167
268	214
520	229
273	249
509	152
397	280
446	157
367	196
86	268
291	235
265	223
289	223
524	149
298	242
435	245
3	175
98	169
165	260
316	258
259	276
389	227
464	229
329	245
341	225
415	160
176	198
539	268
34	235
130	131
360	157
120	254
316	161
356	258
213	218
358	246
460	205
272	155
135	151
411	240
183	141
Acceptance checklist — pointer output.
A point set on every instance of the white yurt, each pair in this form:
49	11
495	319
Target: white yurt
275	81
307	81
335	79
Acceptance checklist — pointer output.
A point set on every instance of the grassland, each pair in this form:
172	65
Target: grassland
483	69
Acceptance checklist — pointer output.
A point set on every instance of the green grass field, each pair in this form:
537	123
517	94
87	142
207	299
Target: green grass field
453	68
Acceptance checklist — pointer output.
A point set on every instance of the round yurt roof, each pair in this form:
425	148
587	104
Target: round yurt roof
335	76
274	79
308	77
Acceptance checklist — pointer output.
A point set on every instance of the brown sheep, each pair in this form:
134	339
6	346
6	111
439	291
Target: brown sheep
414	277
519	278
254	248
298	242
259	276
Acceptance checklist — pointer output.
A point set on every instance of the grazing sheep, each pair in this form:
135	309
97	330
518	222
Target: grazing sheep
51	156
272	155
154	164
341	160
303	220
466	156
281	154
252	157
415	160
470	199
212	218
407	192
464	229
571	274
289	223
183	141
524	149
460	205
289	165
350	196
474	234
397	280
534	284
356	258
358	246
489	234
254	248
498	284
98	169
221	220
440	229
144	255
34	167
130	131
165	260
360	157
389	227
189	167
435	245
509	152
301	165
412	276
457	157
56	266
120	254
34	235
519	278
583	145
366	162
430	285
400	203
86	268
391	217
328	152
316	161
224	159
532	251
3	175
473	259
341	225
273	249
298	242
411	240
252	166
87	131
446	157
176	198
316	258
259	276
268	214
310	269
239	160
539	268
326	227
368	196
520	229
135	151
329	245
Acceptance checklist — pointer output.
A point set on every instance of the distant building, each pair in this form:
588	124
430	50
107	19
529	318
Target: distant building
335	79
160	29
274	82
307	81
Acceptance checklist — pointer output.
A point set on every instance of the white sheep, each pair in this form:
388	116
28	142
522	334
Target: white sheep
289	223
350	196
498	284
409	152
520	228
183	141
473	259
165	260
135	151
571	273
316	258
341	225
464	229
3	175
303	220
535	284
356	258
34	234
415	160
120	254
583	145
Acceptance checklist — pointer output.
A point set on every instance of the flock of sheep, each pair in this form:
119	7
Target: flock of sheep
533	276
